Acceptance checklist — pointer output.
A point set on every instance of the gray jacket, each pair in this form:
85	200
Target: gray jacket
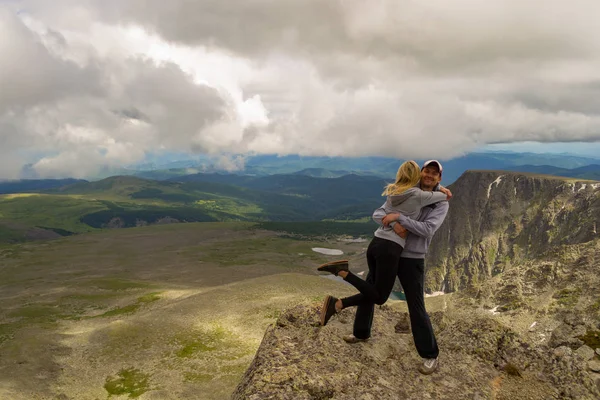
408	204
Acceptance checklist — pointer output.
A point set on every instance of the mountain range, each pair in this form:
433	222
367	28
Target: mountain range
377	166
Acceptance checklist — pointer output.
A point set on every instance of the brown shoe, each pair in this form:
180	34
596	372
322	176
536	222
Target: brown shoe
334	267
328	309
353	339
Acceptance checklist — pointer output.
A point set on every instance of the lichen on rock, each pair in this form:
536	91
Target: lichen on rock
480	358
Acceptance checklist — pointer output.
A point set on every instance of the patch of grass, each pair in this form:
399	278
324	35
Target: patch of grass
131	382
273	313
237	369
199	342
591	338
118	284
513	305
7	332
131	308
56	211
567	297
8	235
595	307
196	377
37	312
197	345
321	228
149	298
90	297
255	251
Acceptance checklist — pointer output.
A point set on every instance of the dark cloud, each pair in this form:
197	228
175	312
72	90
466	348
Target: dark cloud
83	82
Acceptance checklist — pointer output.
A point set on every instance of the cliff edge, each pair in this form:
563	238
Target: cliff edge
480	359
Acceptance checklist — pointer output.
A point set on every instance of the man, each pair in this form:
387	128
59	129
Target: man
411	269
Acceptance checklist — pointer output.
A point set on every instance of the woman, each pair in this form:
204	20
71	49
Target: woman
403	197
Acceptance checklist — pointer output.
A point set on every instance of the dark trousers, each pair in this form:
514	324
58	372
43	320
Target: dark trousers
411	273
382	258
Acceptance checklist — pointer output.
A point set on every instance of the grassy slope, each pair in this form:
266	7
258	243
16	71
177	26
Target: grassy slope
180	307
56	211
85	206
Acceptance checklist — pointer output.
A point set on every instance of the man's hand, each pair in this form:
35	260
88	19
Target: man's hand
389	219
447	192
400	231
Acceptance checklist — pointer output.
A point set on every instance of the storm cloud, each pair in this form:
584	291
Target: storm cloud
104	83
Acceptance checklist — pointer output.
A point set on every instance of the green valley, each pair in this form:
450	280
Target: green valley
126	201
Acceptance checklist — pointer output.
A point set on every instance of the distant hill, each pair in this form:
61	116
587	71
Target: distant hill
591	172
128	201
34	185
383	167
353	195
322	173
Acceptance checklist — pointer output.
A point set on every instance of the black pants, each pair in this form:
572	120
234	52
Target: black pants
411	273
383	257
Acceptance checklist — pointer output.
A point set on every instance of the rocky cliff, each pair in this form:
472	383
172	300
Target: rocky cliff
481	358
521	254
498	219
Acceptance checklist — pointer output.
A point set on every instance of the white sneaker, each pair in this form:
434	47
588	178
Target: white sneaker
429	366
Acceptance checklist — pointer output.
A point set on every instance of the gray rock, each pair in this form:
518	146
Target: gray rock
598	351
562	351
594	365
572	319
403	325
585	352
319	365
565	335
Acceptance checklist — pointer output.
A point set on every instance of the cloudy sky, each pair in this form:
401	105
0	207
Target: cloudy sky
86	84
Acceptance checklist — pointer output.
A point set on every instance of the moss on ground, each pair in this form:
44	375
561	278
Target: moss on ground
595	307
196	377
38	313
247	252
131	382
591	338
91	298
118	284
131	308
149	298
513	305
568	297
200	342
7	332
215	343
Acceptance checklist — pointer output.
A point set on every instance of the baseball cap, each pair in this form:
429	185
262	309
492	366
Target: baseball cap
428	163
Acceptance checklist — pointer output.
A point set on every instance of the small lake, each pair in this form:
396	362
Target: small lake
329	252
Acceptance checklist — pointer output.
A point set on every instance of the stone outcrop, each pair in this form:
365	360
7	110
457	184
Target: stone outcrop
521	253
480	359
497	219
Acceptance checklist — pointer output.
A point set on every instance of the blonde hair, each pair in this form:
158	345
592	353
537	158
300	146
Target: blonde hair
408	176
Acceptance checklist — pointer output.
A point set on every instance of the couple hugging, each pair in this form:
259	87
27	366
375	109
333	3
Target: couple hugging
415	207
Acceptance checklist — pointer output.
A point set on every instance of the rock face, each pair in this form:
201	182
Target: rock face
497	219
480	359
521	253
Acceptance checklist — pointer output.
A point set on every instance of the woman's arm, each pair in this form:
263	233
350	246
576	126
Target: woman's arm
420	198
427	198
379	214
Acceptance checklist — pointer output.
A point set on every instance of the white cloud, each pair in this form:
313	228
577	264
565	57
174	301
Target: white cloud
103	83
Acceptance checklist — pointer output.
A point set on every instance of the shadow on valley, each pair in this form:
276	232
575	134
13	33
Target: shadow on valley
177	309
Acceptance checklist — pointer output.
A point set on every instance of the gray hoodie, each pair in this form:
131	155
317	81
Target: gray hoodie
408	204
